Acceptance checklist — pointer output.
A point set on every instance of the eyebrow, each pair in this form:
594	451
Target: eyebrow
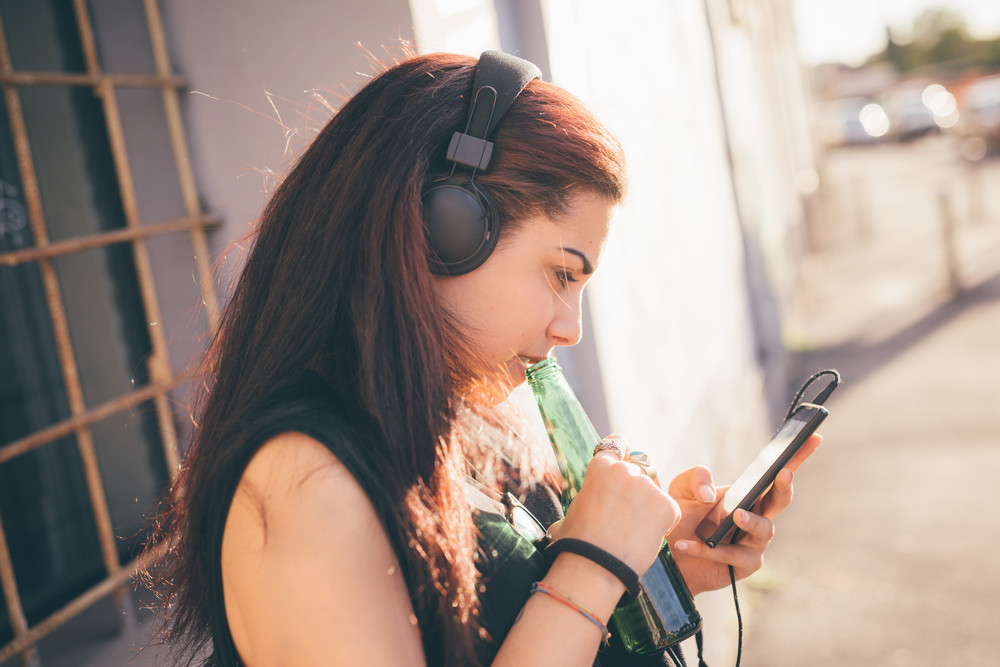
588	268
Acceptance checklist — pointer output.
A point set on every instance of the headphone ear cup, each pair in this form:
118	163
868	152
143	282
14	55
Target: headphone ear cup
462	225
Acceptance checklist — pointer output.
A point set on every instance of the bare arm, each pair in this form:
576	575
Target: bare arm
310	577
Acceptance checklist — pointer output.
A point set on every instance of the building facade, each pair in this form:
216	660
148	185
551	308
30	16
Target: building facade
138	142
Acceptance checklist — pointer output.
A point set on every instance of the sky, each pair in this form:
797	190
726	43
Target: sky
849	31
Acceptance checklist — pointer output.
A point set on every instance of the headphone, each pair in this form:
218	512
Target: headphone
461	219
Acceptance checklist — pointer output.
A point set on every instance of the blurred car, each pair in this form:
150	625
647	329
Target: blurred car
909	115
981	113
851	121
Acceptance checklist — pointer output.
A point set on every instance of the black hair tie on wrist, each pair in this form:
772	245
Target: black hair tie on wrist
599	556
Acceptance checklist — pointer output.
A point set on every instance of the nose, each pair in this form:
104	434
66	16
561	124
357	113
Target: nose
566	327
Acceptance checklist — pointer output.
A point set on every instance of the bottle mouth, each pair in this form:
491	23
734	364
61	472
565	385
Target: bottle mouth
540	366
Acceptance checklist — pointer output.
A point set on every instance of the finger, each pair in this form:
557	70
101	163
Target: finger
615	444
805	451
694	484
745	560
608	454
756	529
673	508
778	497
641	460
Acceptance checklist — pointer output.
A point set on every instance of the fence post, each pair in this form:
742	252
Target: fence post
862	206
947	219
977	194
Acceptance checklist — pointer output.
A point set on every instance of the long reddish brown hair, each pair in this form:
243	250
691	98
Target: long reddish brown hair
337	281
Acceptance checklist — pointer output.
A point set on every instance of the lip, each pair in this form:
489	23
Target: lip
531	361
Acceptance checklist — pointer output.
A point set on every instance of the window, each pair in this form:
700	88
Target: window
100	226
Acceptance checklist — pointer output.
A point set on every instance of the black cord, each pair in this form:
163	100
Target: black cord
739	616
699	641
821	396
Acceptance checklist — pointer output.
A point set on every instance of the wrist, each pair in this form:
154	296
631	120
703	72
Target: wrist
574	605
586	581
625	574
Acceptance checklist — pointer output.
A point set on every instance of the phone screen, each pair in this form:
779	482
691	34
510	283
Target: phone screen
759	475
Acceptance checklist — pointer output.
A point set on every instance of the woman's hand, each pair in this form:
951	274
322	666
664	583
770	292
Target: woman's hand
621	510
704	568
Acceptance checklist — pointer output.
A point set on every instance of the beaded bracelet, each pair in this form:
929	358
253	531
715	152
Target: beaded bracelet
559	596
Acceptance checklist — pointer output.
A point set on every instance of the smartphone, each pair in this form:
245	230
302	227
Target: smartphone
718	525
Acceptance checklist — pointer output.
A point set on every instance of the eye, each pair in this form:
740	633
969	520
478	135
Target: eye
565	277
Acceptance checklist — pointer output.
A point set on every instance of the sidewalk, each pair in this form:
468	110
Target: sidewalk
889	554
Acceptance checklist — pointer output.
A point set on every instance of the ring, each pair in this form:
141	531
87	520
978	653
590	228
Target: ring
614	445
641	459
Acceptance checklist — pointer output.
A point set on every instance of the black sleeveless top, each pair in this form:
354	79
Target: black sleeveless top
509	564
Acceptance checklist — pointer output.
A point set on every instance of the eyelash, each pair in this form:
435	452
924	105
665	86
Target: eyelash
565	277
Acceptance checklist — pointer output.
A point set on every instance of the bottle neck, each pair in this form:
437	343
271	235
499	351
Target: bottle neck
543	370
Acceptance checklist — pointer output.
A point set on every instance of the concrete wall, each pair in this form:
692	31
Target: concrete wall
257	71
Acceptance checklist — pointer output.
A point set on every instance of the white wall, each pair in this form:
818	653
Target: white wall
674	347
669	305
674	338
455	26
252	67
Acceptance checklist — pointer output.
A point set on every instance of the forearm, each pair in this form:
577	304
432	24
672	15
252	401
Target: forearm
548	632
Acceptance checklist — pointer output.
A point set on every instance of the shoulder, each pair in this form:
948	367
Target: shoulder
291	467
309	573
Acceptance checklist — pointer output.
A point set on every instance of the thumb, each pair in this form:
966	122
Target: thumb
694	484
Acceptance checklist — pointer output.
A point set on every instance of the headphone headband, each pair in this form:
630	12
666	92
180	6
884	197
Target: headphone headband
460	217
500	78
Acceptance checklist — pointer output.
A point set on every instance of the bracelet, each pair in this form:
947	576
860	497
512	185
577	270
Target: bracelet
595	554
559	596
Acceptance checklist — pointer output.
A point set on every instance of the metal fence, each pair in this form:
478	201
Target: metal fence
135	234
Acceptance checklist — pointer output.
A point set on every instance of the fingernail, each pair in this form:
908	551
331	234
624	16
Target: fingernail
680	545
742	516
706	493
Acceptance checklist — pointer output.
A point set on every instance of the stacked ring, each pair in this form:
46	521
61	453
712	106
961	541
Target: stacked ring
612	444
641	459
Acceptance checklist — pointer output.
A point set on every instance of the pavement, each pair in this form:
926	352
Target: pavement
889	553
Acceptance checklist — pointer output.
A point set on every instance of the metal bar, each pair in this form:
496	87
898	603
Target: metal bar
189	191
109	585
57	311
53	297
162	379
88	452
158	362
87	80
26	444
15	612
103	239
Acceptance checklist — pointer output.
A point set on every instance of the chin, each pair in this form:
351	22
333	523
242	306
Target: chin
495	387
512	372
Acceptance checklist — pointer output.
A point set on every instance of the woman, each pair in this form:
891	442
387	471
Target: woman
331	506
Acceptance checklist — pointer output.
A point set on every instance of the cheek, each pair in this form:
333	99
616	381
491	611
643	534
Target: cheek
536	311
514	317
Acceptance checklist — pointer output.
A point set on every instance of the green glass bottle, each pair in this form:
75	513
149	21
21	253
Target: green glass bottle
664	612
